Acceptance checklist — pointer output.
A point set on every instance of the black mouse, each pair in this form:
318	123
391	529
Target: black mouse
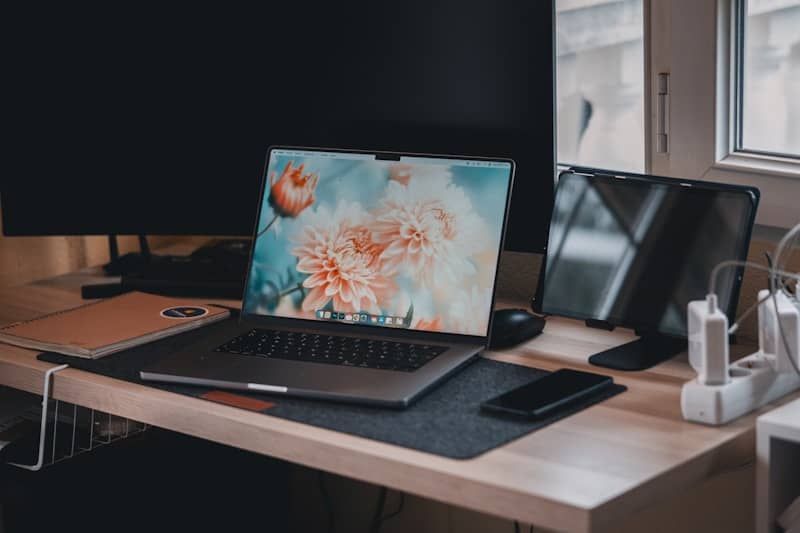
513	326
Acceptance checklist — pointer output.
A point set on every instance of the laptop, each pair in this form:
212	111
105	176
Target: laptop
371	278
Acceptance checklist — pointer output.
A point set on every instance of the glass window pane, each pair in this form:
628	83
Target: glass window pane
770	111
600	83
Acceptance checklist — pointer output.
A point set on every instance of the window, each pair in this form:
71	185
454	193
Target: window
600	83
768	77
733	111
690	89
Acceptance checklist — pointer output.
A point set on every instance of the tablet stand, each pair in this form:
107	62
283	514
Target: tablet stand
647	351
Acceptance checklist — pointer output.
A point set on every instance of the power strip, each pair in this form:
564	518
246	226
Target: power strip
754	383
755	380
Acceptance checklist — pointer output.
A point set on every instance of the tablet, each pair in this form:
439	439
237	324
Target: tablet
633	250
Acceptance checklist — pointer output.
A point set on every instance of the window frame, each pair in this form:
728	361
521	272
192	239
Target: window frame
737	11
730	41
695	43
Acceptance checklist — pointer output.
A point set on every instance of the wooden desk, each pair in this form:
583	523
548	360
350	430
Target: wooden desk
583	473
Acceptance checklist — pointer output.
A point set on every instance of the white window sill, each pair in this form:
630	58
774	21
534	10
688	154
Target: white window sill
756	164
778	180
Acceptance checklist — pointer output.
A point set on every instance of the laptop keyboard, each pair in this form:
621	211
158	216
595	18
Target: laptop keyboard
333	349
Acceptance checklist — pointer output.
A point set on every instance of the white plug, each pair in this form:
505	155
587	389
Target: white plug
708	341
770	341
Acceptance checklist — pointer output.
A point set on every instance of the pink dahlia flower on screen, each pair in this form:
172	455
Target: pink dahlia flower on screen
429	231
293	191
343	261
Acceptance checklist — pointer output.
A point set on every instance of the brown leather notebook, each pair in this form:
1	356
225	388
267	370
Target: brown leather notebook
107	326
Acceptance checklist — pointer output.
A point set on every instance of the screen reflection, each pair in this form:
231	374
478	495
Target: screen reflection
634	252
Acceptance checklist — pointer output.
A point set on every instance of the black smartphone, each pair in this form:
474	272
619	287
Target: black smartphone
541	397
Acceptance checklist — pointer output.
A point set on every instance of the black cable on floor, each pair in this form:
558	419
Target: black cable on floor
517	530
326	498
395	512
375	527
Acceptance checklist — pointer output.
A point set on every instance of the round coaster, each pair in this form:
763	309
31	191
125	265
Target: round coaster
188	311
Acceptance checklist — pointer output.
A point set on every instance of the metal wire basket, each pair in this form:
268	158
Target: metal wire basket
67	430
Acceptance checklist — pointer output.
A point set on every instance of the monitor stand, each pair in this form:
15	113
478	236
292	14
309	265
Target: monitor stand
647	351
216	270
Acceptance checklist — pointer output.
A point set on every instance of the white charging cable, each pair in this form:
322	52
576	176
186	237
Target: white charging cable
774	273
712	280
790	236
747	312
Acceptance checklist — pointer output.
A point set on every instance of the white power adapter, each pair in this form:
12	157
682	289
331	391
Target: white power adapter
708	341
771	339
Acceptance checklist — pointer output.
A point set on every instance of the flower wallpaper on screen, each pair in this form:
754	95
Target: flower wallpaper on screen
409	244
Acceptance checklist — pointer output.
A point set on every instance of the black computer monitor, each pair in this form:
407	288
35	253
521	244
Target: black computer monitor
632	250
158	122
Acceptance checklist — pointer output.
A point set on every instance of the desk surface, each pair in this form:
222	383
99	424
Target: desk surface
582	473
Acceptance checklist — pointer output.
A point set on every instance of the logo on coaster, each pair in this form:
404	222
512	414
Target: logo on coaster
184	312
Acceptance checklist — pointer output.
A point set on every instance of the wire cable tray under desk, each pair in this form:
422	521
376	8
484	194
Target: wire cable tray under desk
68	430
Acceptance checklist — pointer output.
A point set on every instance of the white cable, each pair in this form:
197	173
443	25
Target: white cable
774	285
790	235
712	281
747	312
774	273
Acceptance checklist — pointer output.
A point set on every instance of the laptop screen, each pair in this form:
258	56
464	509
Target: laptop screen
408	243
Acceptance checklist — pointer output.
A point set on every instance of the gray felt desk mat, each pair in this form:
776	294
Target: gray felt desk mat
447	421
